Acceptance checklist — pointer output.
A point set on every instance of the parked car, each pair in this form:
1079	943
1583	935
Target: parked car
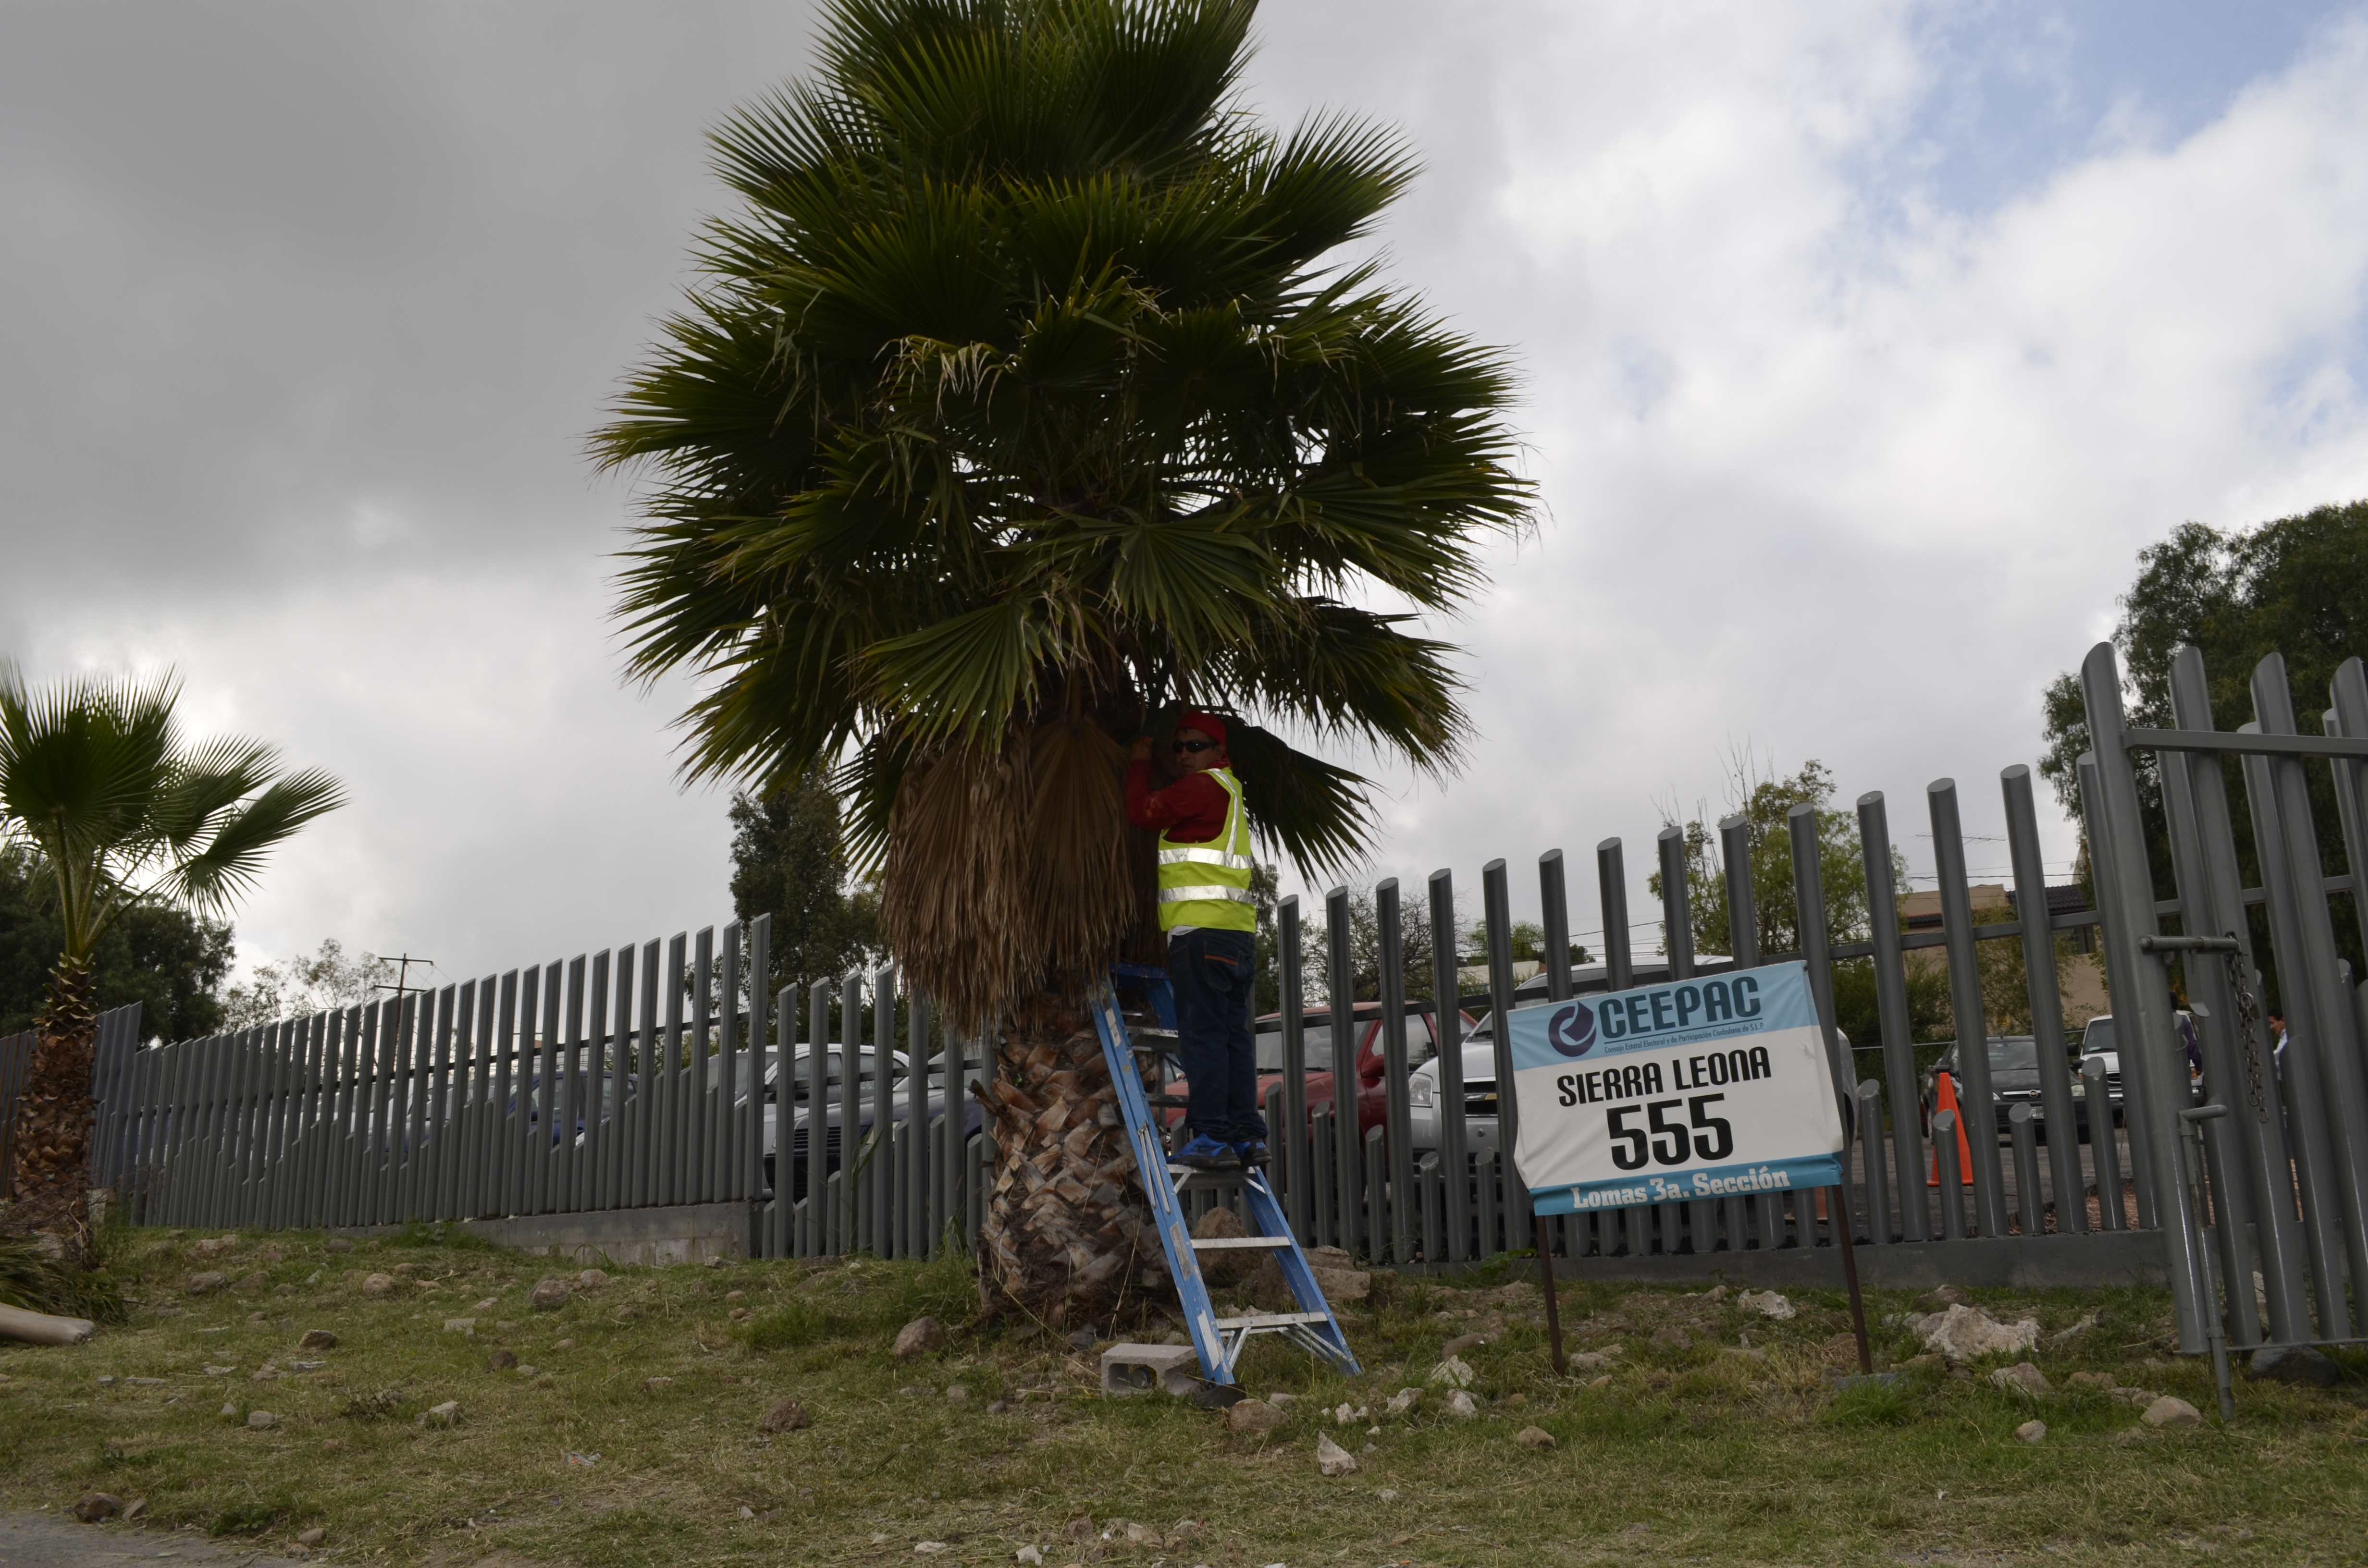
834	1106
1373	1093
2014	1080
2100	1040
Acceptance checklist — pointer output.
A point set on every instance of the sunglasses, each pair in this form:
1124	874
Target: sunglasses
1193	745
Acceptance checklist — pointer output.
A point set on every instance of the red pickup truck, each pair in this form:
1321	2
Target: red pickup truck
1373	1096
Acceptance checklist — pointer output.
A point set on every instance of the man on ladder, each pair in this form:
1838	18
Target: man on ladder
1210	918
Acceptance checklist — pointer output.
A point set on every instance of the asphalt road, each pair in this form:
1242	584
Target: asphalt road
60	1541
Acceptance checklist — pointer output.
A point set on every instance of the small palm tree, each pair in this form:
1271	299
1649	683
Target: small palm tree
1020	397
98	786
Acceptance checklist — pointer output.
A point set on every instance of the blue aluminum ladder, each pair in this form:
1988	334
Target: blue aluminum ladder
1218	1341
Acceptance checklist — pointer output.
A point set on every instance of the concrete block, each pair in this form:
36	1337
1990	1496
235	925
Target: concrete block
1128	1369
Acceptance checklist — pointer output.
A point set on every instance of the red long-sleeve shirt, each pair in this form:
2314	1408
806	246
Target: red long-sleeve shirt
1190	810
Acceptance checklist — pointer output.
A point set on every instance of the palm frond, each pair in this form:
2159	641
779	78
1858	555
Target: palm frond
1025	373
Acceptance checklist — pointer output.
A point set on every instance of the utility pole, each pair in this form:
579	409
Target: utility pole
402	974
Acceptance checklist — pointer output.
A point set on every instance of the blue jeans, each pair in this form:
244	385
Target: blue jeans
1213	973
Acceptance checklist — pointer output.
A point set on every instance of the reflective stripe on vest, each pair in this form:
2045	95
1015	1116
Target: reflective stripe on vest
1208	884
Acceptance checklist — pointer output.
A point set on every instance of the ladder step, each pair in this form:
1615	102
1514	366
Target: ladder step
1141	1031
1273	1320
1240	1244
1185	1101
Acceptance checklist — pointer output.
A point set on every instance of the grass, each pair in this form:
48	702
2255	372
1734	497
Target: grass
1714	1450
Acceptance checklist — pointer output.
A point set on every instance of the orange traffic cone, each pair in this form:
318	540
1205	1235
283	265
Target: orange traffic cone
1944	1098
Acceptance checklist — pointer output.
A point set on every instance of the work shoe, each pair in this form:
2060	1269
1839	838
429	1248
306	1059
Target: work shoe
1252	1155
1206	1153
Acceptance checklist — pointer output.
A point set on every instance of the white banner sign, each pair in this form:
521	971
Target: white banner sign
1702	1088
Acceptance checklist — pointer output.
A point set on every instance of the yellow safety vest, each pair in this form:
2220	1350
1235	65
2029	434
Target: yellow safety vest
1208	884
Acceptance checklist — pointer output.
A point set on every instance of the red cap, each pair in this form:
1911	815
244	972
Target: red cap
1208	724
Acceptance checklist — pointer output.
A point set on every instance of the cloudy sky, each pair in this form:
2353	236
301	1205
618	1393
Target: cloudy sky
1864	343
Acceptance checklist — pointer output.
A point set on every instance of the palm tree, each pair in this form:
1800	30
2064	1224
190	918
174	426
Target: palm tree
1024	392
97	785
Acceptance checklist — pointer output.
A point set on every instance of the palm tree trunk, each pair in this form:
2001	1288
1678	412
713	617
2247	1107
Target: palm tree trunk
50	1173
1068	1238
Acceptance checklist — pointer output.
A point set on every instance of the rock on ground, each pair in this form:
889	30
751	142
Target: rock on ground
317	1339
1462	1405
786	1416
378	1284
1029	1555
1230	1266
258	1420
1534	1437
920	1337
2297	1364
1968	1334
198	1284
1454	1373
1767	1304
445	1414
1331	1458
549	1295
1594	1360
98	1505
2021	1377
2168	1411
1402	1403
1942	1299
2032	1431
1253	1416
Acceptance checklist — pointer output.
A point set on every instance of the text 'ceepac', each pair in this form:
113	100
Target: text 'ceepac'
1703	1088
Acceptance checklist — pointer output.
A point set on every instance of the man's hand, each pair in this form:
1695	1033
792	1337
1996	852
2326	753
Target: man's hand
1141	750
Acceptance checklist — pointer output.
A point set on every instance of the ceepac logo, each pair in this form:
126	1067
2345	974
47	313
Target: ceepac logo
1572	1029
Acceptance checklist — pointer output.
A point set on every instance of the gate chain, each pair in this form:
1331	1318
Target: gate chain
2249	1020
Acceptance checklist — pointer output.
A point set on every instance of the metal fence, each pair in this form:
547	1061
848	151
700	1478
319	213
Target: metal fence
2264	1168
623	1080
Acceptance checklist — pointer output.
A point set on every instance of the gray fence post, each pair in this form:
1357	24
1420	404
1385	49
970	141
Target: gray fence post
921	1180
2118	983
723	1152
1619	975
2046	999
1891	1007
1870	1147
761	1032
1743	942
817	1199
1677	944
1290	1137
1816	950
696	1111
1340	987
2104	1156
1397	1145
1446	971
1496	903
2126	900
2309	972
1971	1017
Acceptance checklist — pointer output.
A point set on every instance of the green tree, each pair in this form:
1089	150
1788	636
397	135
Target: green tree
167	961
789	861
1765	802
117	814
2298	586
1024	392
323	981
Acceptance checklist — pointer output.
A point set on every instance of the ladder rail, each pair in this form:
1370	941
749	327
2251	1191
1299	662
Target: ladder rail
1218	1342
